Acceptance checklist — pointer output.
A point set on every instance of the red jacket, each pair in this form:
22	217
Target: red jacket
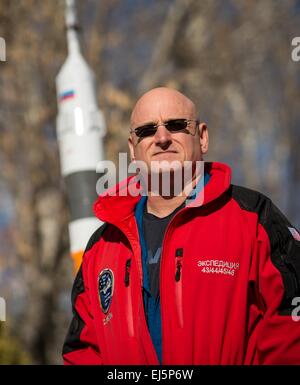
239	262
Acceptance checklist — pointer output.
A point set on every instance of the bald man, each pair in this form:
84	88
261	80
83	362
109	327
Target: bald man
188	144
207	275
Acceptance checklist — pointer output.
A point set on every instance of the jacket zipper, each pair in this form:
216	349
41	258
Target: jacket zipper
150	346
178	285
149	351
129	310
127	272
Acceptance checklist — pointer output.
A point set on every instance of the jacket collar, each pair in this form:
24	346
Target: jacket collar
117	205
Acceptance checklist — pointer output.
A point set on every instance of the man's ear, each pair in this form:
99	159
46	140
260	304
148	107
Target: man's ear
204	139
131	148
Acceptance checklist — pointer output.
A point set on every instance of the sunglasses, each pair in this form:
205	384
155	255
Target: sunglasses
172	125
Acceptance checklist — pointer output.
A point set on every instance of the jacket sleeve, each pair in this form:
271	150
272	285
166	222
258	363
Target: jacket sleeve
278	248
81	346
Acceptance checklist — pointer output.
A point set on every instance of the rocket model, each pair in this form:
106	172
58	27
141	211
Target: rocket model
80	130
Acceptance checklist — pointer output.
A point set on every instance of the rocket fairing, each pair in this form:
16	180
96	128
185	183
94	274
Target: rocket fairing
80	131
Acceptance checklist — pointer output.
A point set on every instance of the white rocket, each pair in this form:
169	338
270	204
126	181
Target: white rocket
80	131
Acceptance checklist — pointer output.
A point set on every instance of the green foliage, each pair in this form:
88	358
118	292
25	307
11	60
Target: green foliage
11	352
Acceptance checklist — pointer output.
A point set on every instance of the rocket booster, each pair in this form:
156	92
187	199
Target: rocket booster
80	131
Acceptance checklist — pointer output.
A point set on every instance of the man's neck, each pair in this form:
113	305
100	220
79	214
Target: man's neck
161	206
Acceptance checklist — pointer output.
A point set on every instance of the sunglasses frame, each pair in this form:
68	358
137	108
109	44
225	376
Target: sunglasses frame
187	121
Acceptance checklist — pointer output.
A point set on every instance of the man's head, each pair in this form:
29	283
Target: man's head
158	106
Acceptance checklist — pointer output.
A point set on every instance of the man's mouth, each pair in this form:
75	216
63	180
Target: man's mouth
164	152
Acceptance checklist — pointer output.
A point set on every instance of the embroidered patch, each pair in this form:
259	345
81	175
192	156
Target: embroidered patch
294	233
105	289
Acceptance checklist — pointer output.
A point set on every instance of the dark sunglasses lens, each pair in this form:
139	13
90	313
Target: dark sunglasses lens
176	125
144	131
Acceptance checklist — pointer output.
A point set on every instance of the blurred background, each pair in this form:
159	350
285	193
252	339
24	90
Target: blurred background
232	57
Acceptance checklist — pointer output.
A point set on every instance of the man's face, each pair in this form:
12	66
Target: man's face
159	106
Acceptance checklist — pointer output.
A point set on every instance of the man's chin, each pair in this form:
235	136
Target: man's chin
165	166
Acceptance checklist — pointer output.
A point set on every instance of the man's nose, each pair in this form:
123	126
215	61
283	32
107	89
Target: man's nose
162	135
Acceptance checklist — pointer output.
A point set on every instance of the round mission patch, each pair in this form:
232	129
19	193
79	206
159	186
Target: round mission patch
105	289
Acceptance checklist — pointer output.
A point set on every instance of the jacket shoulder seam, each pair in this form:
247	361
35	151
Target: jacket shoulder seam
252	201
95	237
